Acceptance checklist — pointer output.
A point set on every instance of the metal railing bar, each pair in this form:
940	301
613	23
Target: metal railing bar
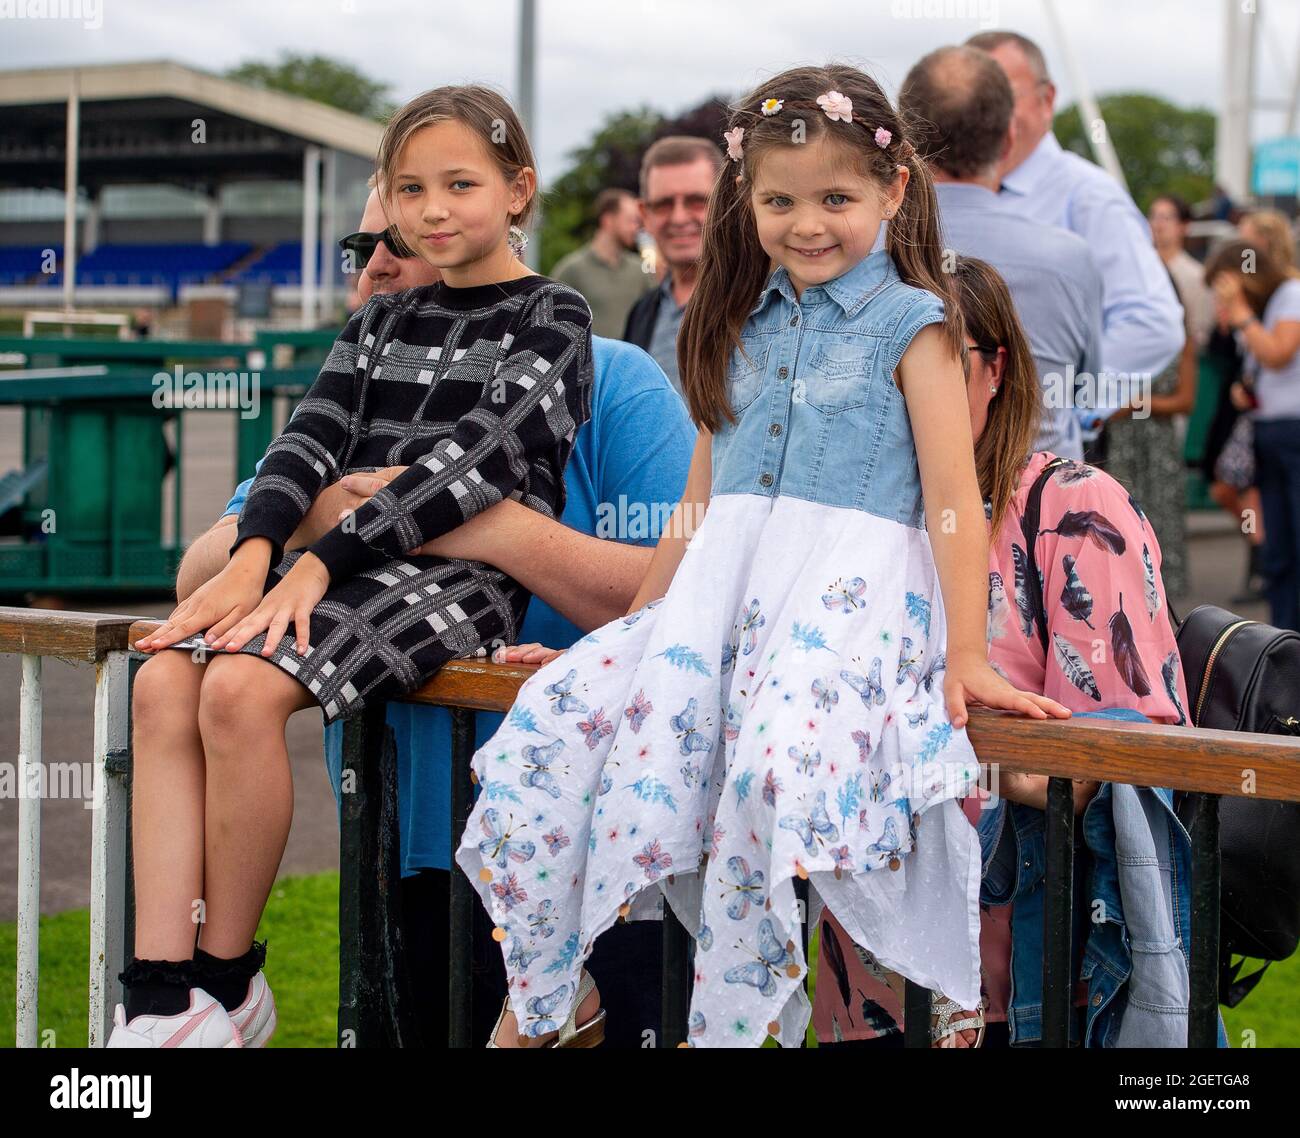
916	1015
460	923
1058	914
109	885
676	980
29	853
1207	864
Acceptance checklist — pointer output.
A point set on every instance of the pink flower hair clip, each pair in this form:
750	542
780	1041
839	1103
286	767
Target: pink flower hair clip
838	108
883	137
734	150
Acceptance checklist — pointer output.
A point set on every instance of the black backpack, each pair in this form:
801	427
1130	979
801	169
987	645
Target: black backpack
1245	676
1241	675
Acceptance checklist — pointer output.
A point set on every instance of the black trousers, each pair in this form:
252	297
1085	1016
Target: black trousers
626	963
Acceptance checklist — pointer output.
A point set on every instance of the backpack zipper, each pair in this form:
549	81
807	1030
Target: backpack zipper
1209	667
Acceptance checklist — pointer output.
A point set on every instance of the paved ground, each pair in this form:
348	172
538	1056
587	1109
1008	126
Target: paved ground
1216	555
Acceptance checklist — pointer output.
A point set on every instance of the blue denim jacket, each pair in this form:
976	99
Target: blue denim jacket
813	382
1134	963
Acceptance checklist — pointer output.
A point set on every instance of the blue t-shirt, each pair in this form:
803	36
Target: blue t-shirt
629	462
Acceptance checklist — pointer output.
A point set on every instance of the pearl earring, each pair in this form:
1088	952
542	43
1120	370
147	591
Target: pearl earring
993	389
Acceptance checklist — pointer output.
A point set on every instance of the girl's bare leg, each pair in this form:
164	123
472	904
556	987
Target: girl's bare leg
244	705
167	778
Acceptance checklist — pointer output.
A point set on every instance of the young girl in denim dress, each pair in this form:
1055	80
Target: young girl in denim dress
787	696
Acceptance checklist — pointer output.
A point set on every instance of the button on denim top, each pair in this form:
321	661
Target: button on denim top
818	415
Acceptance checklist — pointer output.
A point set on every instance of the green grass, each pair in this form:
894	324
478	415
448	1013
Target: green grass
301	929
1271	1012
301	926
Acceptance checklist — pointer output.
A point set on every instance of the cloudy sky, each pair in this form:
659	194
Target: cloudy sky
598	56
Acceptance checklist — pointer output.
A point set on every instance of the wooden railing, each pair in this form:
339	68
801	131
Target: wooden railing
373	1008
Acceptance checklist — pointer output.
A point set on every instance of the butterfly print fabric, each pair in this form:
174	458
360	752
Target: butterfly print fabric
778	715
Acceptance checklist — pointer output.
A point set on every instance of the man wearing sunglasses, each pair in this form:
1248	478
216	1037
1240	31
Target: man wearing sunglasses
631	455
963	95
379	258
677	176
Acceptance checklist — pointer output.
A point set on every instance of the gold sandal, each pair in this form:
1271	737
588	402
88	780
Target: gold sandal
590	1034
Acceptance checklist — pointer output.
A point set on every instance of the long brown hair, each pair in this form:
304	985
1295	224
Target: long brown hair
734	266
1013	416
481	109
1259	273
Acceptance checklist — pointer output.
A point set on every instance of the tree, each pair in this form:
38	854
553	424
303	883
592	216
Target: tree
1162	148
612	159
320	78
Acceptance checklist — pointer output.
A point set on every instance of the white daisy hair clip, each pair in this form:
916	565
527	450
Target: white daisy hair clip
771	107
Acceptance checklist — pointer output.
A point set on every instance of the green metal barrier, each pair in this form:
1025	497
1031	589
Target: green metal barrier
58	351
94	523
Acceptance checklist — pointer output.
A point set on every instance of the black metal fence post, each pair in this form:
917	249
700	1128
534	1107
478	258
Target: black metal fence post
916	1015
1207	864
803	902
461	902
676	979
1058	920
374	1004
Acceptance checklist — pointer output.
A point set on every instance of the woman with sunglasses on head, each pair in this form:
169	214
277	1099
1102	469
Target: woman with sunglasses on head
475	387
1106	643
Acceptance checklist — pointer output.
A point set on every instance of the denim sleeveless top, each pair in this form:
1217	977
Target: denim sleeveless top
818	415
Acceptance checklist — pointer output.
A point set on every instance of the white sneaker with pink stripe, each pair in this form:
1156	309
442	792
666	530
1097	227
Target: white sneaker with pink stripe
205	1024
255	1018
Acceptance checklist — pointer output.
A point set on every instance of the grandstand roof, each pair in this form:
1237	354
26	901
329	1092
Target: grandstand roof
136	127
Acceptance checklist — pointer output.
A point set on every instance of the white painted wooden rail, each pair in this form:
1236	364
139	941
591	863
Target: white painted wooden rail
100	639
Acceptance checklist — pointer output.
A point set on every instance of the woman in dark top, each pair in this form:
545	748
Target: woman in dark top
475	387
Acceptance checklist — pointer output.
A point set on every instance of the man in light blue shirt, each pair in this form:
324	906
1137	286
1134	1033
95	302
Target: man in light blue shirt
965	98
1142	319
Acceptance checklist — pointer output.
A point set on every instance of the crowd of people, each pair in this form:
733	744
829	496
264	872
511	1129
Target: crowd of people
876	339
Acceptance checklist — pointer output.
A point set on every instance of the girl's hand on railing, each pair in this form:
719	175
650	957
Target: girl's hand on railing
970	678
292	599
525	654
221	600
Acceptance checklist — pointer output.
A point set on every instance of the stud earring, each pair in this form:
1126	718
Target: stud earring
992	389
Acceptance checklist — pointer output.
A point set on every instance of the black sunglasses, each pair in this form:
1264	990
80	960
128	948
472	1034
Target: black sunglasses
362	246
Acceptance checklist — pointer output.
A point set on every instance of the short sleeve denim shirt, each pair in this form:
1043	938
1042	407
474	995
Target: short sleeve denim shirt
818	415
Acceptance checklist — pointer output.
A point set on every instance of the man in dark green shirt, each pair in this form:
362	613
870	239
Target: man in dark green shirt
607	270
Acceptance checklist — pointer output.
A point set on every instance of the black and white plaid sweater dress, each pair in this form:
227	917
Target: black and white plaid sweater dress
480	392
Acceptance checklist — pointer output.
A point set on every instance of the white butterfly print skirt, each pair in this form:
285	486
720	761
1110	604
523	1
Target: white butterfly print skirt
778	714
